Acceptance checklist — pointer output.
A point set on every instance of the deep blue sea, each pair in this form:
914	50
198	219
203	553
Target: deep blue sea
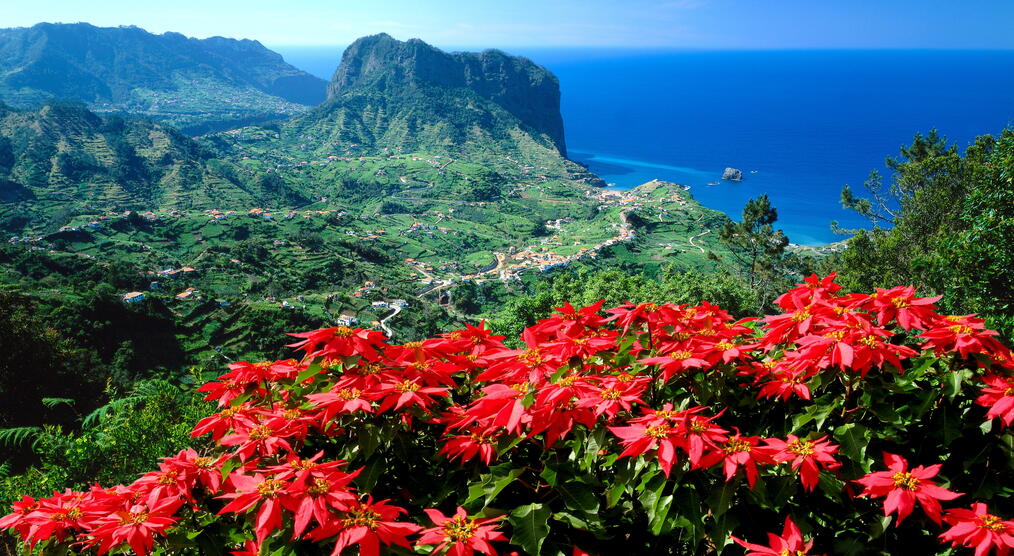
808	122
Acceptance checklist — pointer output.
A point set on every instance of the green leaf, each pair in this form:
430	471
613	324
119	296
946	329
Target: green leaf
531	527
578	497
954	380
492	483
854	439
230	465
312	370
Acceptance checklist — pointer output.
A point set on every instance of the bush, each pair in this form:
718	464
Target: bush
646	429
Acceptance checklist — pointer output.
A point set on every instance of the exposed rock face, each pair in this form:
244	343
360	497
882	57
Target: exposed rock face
732	174
418	80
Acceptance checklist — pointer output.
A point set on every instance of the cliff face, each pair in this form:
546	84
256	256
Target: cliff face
416	72
107	64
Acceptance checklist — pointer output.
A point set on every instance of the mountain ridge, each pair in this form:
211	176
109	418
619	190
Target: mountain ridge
131	70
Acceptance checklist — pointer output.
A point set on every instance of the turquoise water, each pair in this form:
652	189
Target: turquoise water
808	122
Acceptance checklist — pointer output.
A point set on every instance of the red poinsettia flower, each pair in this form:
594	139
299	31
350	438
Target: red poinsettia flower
807	456
998	396
639	439
790	543
904	487
461	534
136	526
252	490
739	452
367	524
980	529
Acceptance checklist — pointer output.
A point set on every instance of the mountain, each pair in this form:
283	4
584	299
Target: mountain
167	76
62	158
409	96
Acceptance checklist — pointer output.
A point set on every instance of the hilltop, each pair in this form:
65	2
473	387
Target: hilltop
63	159
168	76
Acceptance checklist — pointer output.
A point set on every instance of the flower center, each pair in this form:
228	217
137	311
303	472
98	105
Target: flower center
320	486
260	432
134	518
73	513
362	517
413	345
459	529
991	522
204	462
870	340
407	386
801	447
899	302
531	356
724	345
270	488
658	431
611	394
736	445
343	332
680	355
800	316
346	394
167	478
961	329
905	480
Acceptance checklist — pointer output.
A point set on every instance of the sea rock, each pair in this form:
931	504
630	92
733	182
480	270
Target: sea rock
732	174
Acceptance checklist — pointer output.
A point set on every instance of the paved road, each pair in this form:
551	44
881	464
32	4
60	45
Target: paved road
383	322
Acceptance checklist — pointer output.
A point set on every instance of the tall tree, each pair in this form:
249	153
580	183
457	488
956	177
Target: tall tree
944	223
757	246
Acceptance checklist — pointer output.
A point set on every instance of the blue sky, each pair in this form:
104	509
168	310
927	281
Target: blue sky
709	24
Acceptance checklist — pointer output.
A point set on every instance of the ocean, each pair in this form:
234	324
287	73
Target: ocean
799	124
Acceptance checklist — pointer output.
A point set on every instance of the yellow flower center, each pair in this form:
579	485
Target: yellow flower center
736	445
522	388
961	329
407	386
835	334
611	394
459	529
204	462
905	480
870	340
302	464
899	303
347	394
658	431
531	356
680	355
134	518
343	332
413	345
167	478
991	522
319	486
260	432
723	345
362	517
73	513
800	316
270	488
801	447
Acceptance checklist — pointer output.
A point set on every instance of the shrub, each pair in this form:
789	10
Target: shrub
859	422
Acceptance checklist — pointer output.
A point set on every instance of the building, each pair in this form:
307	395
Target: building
133	297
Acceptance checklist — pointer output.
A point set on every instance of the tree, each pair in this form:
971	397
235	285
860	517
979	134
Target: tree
756	245
943	223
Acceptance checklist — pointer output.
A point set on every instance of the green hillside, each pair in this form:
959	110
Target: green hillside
189	82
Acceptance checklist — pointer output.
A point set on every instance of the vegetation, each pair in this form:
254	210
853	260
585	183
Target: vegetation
709	434
944	223
197	85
